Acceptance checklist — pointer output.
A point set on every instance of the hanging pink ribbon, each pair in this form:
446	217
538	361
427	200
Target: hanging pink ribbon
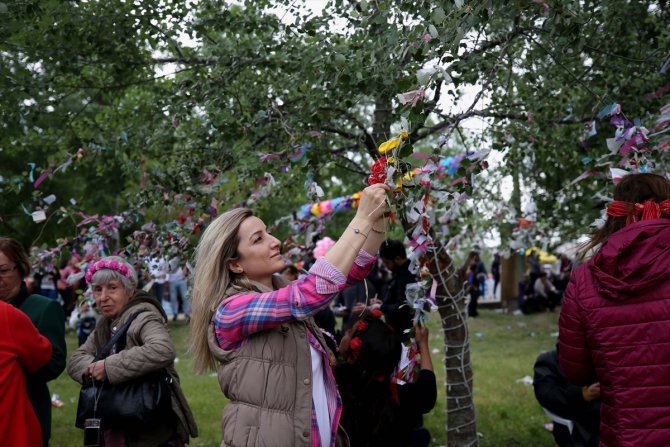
41	178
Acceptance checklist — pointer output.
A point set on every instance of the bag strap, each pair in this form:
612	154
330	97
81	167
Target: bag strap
104	352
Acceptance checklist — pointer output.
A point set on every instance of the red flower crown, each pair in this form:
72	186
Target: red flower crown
355	344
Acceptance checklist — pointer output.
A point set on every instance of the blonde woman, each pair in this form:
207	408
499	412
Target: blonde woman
272	361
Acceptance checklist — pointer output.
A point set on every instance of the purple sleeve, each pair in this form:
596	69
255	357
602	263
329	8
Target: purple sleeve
239	316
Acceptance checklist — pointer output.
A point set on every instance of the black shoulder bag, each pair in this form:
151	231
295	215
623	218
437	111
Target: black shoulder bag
131	404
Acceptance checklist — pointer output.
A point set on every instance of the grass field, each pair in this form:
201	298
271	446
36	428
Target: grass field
503	346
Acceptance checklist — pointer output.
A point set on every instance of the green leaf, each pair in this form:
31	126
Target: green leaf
438	15
406	150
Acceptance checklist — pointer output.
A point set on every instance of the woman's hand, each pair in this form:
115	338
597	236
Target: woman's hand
374	203
364	231
97	371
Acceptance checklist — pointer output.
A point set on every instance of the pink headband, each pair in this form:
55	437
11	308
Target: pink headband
111	265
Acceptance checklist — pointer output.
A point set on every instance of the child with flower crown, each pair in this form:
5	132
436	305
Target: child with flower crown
376	410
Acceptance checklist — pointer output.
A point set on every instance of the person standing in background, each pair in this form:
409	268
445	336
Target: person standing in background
399	316
473	286
481	273
148	349
48	282
495	271
66	288
83	319
158	272
21	348
47	316
176	278
534	267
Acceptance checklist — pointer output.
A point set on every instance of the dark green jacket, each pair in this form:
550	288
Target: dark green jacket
47	316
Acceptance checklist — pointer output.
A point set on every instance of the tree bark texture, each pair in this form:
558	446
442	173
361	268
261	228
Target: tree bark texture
450	297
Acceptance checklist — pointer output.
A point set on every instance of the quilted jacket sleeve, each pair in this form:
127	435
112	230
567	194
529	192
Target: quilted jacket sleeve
574	351
149	348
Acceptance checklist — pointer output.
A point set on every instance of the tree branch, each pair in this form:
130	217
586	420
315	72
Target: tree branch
566	69
185	60
343	133
356	169
485	113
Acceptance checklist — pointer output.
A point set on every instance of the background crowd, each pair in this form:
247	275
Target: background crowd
369	376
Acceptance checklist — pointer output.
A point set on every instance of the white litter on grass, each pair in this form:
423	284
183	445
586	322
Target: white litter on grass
435	351
176	359
525	380
554	334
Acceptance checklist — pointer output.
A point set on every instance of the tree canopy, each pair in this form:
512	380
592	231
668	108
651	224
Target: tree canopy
131	124
167	109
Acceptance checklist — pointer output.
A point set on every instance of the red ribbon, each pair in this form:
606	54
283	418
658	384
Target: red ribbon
638	211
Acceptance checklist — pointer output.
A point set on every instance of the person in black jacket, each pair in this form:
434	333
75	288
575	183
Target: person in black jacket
581	405
377	411
398	315
416	398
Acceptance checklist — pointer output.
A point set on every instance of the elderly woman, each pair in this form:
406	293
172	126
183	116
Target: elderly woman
274	364
47	316
148	348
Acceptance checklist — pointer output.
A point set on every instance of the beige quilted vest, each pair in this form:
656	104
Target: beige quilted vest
269	384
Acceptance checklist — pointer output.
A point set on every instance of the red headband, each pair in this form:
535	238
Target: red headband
633	211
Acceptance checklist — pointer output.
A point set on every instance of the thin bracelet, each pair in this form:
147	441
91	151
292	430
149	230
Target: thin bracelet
380	231
359	231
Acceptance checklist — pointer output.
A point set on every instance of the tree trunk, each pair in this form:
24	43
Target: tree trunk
511	271
383	118
450	296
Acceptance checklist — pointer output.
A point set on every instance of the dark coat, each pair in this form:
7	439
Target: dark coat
352	295
615	328
398	315
48	317
555	393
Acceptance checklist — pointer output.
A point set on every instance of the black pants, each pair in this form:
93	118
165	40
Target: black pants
472	305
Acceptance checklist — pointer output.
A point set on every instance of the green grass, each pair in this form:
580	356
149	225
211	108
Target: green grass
504	351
